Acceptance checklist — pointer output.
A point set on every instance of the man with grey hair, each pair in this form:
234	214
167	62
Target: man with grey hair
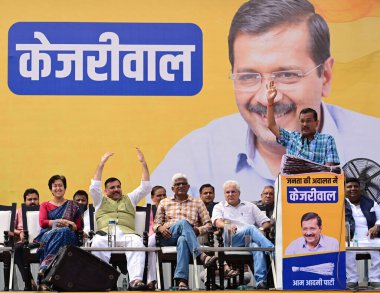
266	203
179	220
287	42
245	218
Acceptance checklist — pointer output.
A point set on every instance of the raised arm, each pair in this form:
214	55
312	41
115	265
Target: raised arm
271	121
144	188
145	171
99	169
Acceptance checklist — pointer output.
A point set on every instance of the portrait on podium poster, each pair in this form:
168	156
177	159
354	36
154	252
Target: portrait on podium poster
313	231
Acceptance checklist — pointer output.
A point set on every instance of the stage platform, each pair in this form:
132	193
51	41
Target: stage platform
362	289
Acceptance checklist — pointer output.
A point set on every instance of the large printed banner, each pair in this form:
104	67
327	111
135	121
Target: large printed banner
313	230
105	59
80	78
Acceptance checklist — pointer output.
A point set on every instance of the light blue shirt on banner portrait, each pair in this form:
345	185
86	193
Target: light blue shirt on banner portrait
299	246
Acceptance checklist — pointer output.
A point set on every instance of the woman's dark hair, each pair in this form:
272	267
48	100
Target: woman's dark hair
155	188
55	178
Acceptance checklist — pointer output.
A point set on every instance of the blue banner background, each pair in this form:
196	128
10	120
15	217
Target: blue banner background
88	33
338	258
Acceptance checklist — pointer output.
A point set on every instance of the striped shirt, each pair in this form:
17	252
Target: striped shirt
170	210
321	149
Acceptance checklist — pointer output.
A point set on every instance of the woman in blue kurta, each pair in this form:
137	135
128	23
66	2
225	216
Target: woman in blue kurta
59	219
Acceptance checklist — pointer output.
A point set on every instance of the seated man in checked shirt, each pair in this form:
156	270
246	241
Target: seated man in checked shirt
179	220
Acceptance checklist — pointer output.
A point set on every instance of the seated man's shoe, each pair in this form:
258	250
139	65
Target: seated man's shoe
182	285
151	286
262	286
374	285
217	287
352	286
137	285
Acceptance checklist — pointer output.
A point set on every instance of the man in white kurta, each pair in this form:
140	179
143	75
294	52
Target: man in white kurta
246	220
115	205
366	214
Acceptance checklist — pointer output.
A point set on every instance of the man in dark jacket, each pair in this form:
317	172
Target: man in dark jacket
366	214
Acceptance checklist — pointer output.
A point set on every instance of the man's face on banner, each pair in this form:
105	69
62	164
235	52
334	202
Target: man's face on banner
280	49
311	231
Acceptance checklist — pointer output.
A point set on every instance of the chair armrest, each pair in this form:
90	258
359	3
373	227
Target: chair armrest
8	239
33	245
91	234
80	236
158	239
219	237
25	238
145	238
271	232
211	233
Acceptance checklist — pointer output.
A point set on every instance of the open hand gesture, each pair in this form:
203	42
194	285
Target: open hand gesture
271	92
105	157
140	155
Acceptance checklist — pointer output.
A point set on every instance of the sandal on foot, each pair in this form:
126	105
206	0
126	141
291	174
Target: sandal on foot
137	285
230	273
209	260
33	285
151	286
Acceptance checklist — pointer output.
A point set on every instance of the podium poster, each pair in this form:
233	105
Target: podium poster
313	231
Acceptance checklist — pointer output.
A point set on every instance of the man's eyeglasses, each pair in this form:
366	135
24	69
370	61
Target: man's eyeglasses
251	81
178	184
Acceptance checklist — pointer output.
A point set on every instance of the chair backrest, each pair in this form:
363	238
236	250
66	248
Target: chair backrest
91	216
141	219
7	219
31	221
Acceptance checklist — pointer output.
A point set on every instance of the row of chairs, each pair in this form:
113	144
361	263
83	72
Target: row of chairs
7	221
164	254
168	254
118	260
